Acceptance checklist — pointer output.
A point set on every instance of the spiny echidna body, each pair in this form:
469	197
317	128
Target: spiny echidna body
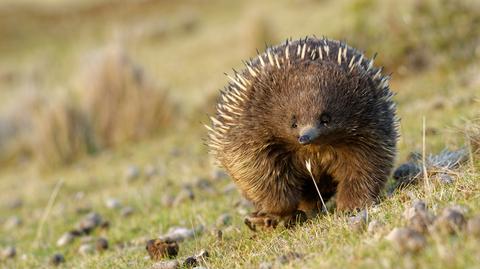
310	100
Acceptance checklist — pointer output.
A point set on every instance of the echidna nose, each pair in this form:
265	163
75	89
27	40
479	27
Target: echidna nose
304	139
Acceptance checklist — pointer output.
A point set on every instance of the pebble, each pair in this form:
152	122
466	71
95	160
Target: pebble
224	220
8	253
57	259
288	257
65	239
179	234
132	173
375	227
265	265
172	264
218	175
406	240
445	178
101	244
359	221
205	185
229	188
89	222
112	203
450	221
127	211
473	226
12	223
184	195
86	249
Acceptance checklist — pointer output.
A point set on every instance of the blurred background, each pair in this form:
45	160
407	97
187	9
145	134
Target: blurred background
78	77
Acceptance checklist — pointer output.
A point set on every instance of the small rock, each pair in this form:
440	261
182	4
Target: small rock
224	220
158	249
8	253
89	222
113	203
57	259
202	255
65	239
150	171
218	175
12	223
86	249
190	262
473	226
179	234
359	221
101	244
445	178
173	264
205	185
185	194
132	173
15	204
265	265
126	211
450	221
406	240
375	227
288	257
229	188
167	200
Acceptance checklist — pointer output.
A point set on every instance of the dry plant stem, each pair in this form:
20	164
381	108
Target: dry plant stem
308	164
424	166
46	213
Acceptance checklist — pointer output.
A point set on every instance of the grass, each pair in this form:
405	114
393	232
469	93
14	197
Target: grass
191	62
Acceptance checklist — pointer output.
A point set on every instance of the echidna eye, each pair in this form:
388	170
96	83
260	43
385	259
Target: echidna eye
294	122
325	119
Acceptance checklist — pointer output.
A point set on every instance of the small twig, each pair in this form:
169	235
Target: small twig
426	180
46	213
308	164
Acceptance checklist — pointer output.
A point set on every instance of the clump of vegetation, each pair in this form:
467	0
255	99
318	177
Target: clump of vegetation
61	135
415	34
121	104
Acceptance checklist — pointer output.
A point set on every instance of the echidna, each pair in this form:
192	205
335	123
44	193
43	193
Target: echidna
315	100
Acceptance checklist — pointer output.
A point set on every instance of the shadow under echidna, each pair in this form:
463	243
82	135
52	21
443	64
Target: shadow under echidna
315	101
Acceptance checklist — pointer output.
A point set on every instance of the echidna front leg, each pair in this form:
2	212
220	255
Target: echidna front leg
259	219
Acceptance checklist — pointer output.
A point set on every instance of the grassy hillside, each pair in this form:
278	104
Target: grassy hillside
172	59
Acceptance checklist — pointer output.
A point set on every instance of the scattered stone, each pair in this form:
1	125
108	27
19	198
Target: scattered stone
418	217
112	203
172	264
89	222
224	220
185	194
150	171
101	244
190	262
406	240
179	234
229	188
265	265
127	211
359	221
205	185
450	221
86	249
15	204
473	226
375	227
218	175
445	178
8	253
132	173
57	259
288	257
12	223
158	249
65	239
167	200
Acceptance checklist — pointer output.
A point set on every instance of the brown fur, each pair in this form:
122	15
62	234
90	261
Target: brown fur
344	105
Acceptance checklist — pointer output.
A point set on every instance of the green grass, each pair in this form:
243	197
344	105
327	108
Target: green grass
191	64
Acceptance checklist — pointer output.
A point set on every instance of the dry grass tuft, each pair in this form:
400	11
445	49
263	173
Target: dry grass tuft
61	135
120	102
473	137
